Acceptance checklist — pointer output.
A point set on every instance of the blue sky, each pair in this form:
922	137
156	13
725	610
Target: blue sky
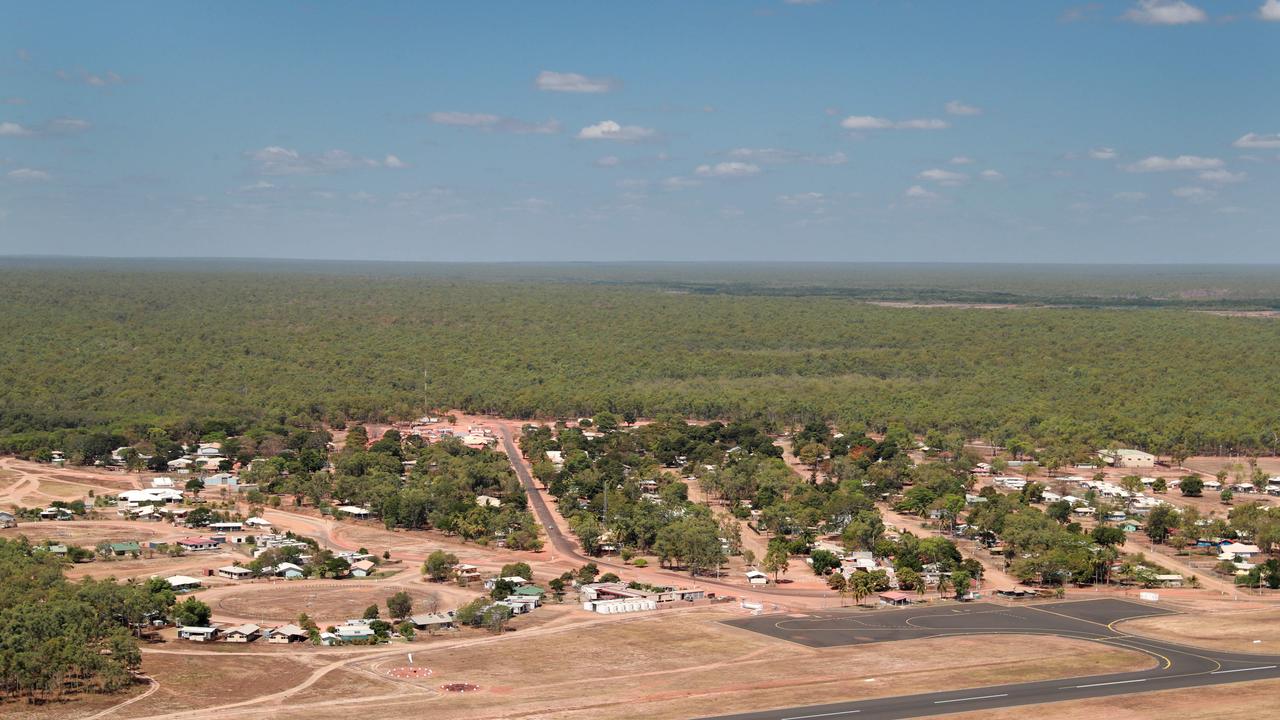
1128	131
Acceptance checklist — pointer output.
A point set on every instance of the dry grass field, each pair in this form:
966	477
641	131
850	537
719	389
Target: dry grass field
1230	631
329	600
677	664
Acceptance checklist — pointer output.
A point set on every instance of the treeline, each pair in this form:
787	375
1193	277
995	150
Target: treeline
61	638
91	356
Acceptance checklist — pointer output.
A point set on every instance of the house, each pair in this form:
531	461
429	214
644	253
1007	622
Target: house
468	572
1239	549
363	568
242	633
209	449
755	577
286	634
120	549
235	572
181	464
894	597
161	482
197	633
358	513
257	523
56	513
226	480
438	621
225	527
183	583
1173	581
197	543
1127	458
531	591
7	520
513	580
488	501
289	571
354	630
56	549
150	496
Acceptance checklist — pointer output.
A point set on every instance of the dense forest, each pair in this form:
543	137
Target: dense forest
62	638
124	348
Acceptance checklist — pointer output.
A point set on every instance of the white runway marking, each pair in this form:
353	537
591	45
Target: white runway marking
840	712
1261	667
1114	682
979	697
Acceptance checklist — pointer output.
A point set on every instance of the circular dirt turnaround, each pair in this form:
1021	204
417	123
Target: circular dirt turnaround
459	687
409	672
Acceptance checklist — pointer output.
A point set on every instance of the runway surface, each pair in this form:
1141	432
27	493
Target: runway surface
1177	666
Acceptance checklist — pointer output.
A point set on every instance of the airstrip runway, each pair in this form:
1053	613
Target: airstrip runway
1176	666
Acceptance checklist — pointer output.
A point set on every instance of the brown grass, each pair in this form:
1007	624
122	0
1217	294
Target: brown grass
1230	631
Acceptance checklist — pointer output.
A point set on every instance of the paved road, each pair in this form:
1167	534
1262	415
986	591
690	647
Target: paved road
1177	666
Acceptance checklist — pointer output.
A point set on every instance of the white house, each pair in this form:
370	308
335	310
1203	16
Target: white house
235	572
1128	458
358	513
755	577
181	583
198	633
161	482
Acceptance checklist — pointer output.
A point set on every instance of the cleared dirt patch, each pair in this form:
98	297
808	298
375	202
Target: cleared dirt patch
87	534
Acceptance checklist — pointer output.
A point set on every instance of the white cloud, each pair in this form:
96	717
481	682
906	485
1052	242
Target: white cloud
922	124
805	199
679	183
1193	193
1103	153
991	175
610	130
776	156
1254	140
88	78
257	186
276	161
1222	176
728	170
955	107
66	126
29	175
608	161
871	122
1270	10
23	55
391	161
493	123
865	122
915	191
572	83
463	119
54	127
944	177
1130	196
1165	12
803	2
961	160
1158	163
